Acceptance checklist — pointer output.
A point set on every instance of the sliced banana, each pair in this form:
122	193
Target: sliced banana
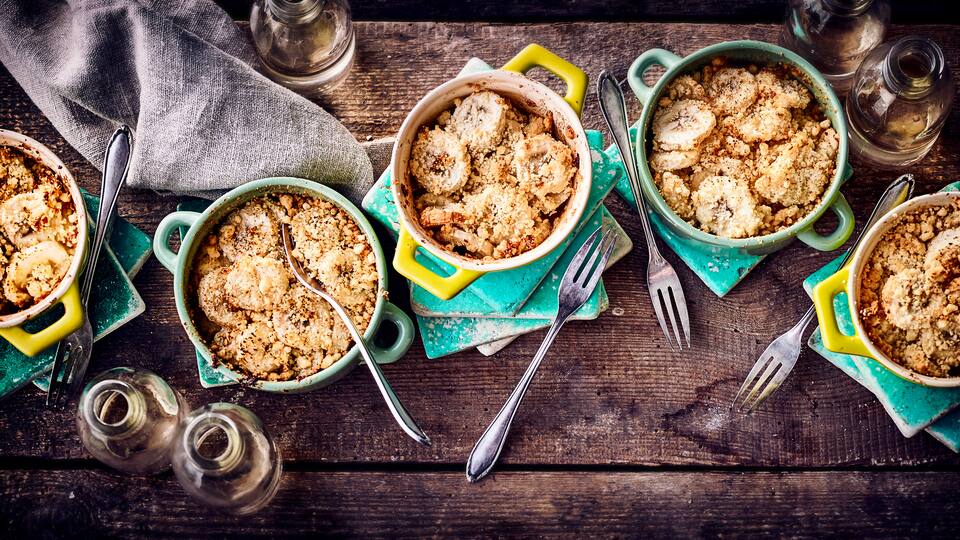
683	124
439	162
732	90
765	122
253	230
34	272
480	121
213	299
674	160
904	297
304	321
257	283
725	207
544	167
942	261
259	352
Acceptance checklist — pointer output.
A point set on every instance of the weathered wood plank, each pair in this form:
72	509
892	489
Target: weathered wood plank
529	11
586	504
611	392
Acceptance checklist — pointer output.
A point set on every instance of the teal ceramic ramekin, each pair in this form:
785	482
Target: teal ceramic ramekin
760	53
200	225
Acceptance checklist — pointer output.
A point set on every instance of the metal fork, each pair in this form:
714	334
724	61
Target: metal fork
73	352
662	280
576	286
781	356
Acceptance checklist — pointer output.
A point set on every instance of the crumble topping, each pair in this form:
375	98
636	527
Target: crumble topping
741	151
38	230
910	291
251	311
490	180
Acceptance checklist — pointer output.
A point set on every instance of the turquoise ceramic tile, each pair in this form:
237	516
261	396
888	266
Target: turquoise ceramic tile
912	407
443	336
719	271
114	301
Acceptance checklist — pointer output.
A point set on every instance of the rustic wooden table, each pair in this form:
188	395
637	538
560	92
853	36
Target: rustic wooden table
618	435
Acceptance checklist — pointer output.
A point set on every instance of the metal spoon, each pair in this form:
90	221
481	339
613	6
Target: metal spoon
781	356
393	402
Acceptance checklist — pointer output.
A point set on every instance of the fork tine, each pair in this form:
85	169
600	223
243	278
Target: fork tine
765	358
681	304
659	311
609	242
577	262
668	295
772	367
772	386
58	375
587	270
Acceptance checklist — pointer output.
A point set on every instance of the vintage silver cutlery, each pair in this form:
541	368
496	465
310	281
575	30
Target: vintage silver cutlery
576	286
397	409
781	356
662	280
73	352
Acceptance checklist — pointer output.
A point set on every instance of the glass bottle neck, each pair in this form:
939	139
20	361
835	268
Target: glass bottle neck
213	443
912	67
114	409
847	8
294	11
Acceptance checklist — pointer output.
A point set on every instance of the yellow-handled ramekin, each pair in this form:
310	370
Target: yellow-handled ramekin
531	95
847	280
67	292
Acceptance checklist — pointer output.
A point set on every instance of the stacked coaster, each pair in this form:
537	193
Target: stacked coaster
114	301
502	305
913	407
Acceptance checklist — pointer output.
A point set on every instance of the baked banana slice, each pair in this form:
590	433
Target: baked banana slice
260	353
683	125
674	160
732	90
480	121
252	230
942	261
34	272
213	299
544	167
304	321
27	220
725	207
257	283
439	161
904	297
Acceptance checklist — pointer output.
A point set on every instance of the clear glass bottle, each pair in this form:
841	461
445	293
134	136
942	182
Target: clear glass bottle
305	45
128	419
835	35
899	102
226	459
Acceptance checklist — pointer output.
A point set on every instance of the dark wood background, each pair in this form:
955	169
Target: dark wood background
618	436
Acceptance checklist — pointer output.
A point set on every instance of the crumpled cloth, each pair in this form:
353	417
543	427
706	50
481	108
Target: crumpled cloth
183	76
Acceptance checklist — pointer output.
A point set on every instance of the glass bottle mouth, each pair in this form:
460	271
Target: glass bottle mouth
849	8
113	408
913	65
213	443
294	11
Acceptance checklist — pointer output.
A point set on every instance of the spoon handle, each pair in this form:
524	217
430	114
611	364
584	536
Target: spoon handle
396	407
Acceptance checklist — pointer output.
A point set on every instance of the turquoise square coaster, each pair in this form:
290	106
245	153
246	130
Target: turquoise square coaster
114	301
912	407
719	271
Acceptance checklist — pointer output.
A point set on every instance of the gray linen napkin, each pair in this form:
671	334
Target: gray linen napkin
182	75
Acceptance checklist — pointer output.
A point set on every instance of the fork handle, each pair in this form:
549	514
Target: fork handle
487	450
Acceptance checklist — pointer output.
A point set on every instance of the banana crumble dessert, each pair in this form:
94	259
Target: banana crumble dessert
249	308
38	230
489	179
910	291
741	150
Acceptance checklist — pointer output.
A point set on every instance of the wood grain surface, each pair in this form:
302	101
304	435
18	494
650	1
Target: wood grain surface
99	504
610	398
